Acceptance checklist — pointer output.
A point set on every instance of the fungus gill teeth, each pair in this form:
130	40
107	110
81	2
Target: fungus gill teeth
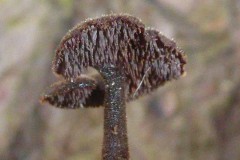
69	94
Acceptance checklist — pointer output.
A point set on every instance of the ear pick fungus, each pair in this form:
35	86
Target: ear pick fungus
131	60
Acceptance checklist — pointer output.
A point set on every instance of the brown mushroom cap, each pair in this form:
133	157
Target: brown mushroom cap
147	58
80	93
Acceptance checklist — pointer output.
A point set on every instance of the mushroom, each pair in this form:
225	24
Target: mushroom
132	61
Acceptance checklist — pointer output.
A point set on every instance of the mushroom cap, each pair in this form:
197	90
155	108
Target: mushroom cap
83	92
147	58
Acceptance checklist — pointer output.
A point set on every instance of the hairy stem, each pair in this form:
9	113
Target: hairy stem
115	140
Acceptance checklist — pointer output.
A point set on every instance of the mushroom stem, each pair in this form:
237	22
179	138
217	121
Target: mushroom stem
115	140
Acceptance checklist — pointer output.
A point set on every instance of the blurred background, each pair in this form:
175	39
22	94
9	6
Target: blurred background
196	117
